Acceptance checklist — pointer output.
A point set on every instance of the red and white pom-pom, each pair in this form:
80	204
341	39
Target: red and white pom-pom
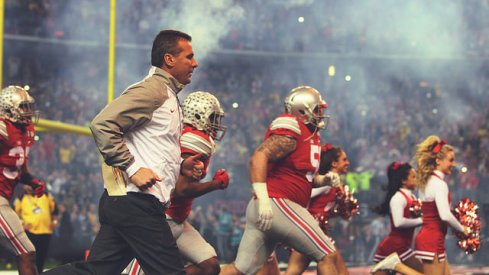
323	221
346	204
466	213
415	209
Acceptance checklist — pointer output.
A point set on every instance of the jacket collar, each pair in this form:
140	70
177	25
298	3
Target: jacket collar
168	79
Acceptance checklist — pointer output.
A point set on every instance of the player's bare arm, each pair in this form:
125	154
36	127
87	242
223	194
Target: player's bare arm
274	148
190	187
184	184
192	166
277	147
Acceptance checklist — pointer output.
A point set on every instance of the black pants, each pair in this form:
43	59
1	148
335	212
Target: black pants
132	226
41	243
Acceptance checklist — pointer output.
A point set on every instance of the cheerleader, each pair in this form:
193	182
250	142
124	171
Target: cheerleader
435	160
334	162
397	203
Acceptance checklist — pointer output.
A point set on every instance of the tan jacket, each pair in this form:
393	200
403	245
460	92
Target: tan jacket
142	128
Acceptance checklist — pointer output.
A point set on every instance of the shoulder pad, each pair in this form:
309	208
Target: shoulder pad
289	123
3	130
197	143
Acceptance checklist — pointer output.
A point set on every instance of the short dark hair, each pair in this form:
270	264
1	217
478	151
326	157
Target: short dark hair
166	42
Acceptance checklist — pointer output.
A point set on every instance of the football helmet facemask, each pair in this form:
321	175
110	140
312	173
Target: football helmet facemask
16	105
306	104
203	111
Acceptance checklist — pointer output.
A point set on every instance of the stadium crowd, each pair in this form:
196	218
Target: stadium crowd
262	29
376	123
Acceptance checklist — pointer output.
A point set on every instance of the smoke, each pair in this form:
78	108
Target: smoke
213	21
428	29
426	41
407	50
296	3
206	21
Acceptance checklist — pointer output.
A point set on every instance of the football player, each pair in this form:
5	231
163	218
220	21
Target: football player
16	139
282	171
323	201
202	114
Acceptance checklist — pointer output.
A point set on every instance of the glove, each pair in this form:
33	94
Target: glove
222	177
265	213
330	179
39	186
333	178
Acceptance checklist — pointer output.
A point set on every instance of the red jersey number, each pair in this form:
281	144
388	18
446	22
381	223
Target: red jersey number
19	153
315	159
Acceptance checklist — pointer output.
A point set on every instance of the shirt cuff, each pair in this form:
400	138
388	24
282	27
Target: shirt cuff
132	169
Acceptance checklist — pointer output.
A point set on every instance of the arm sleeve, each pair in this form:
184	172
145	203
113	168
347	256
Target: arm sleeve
397	205
441	200
132	109
320	190
193	143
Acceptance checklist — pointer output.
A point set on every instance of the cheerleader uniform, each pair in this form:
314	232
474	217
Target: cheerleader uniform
323	201
436	200
402	227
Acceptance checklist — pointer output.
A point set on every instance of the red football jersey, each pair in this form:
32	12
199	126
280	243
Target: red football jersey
194	142
16	140
292	177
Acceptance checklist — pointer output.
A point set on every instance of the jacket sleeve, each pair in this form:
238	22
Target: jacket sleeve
131	110
18	206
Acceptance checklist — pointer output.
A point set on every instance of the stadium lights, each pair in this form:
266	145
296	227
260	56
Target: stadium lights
331	70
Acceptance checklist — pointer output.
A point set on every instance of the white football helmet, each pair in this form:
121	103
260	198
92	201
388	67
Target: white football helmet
306	104
16	105
203	111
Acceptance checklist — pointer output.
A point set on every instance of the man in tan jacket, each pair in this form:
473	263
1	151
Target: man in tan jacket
138	136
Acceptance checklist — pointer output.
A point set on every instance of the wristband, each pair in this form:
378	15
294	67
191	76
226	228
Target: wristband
260	189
